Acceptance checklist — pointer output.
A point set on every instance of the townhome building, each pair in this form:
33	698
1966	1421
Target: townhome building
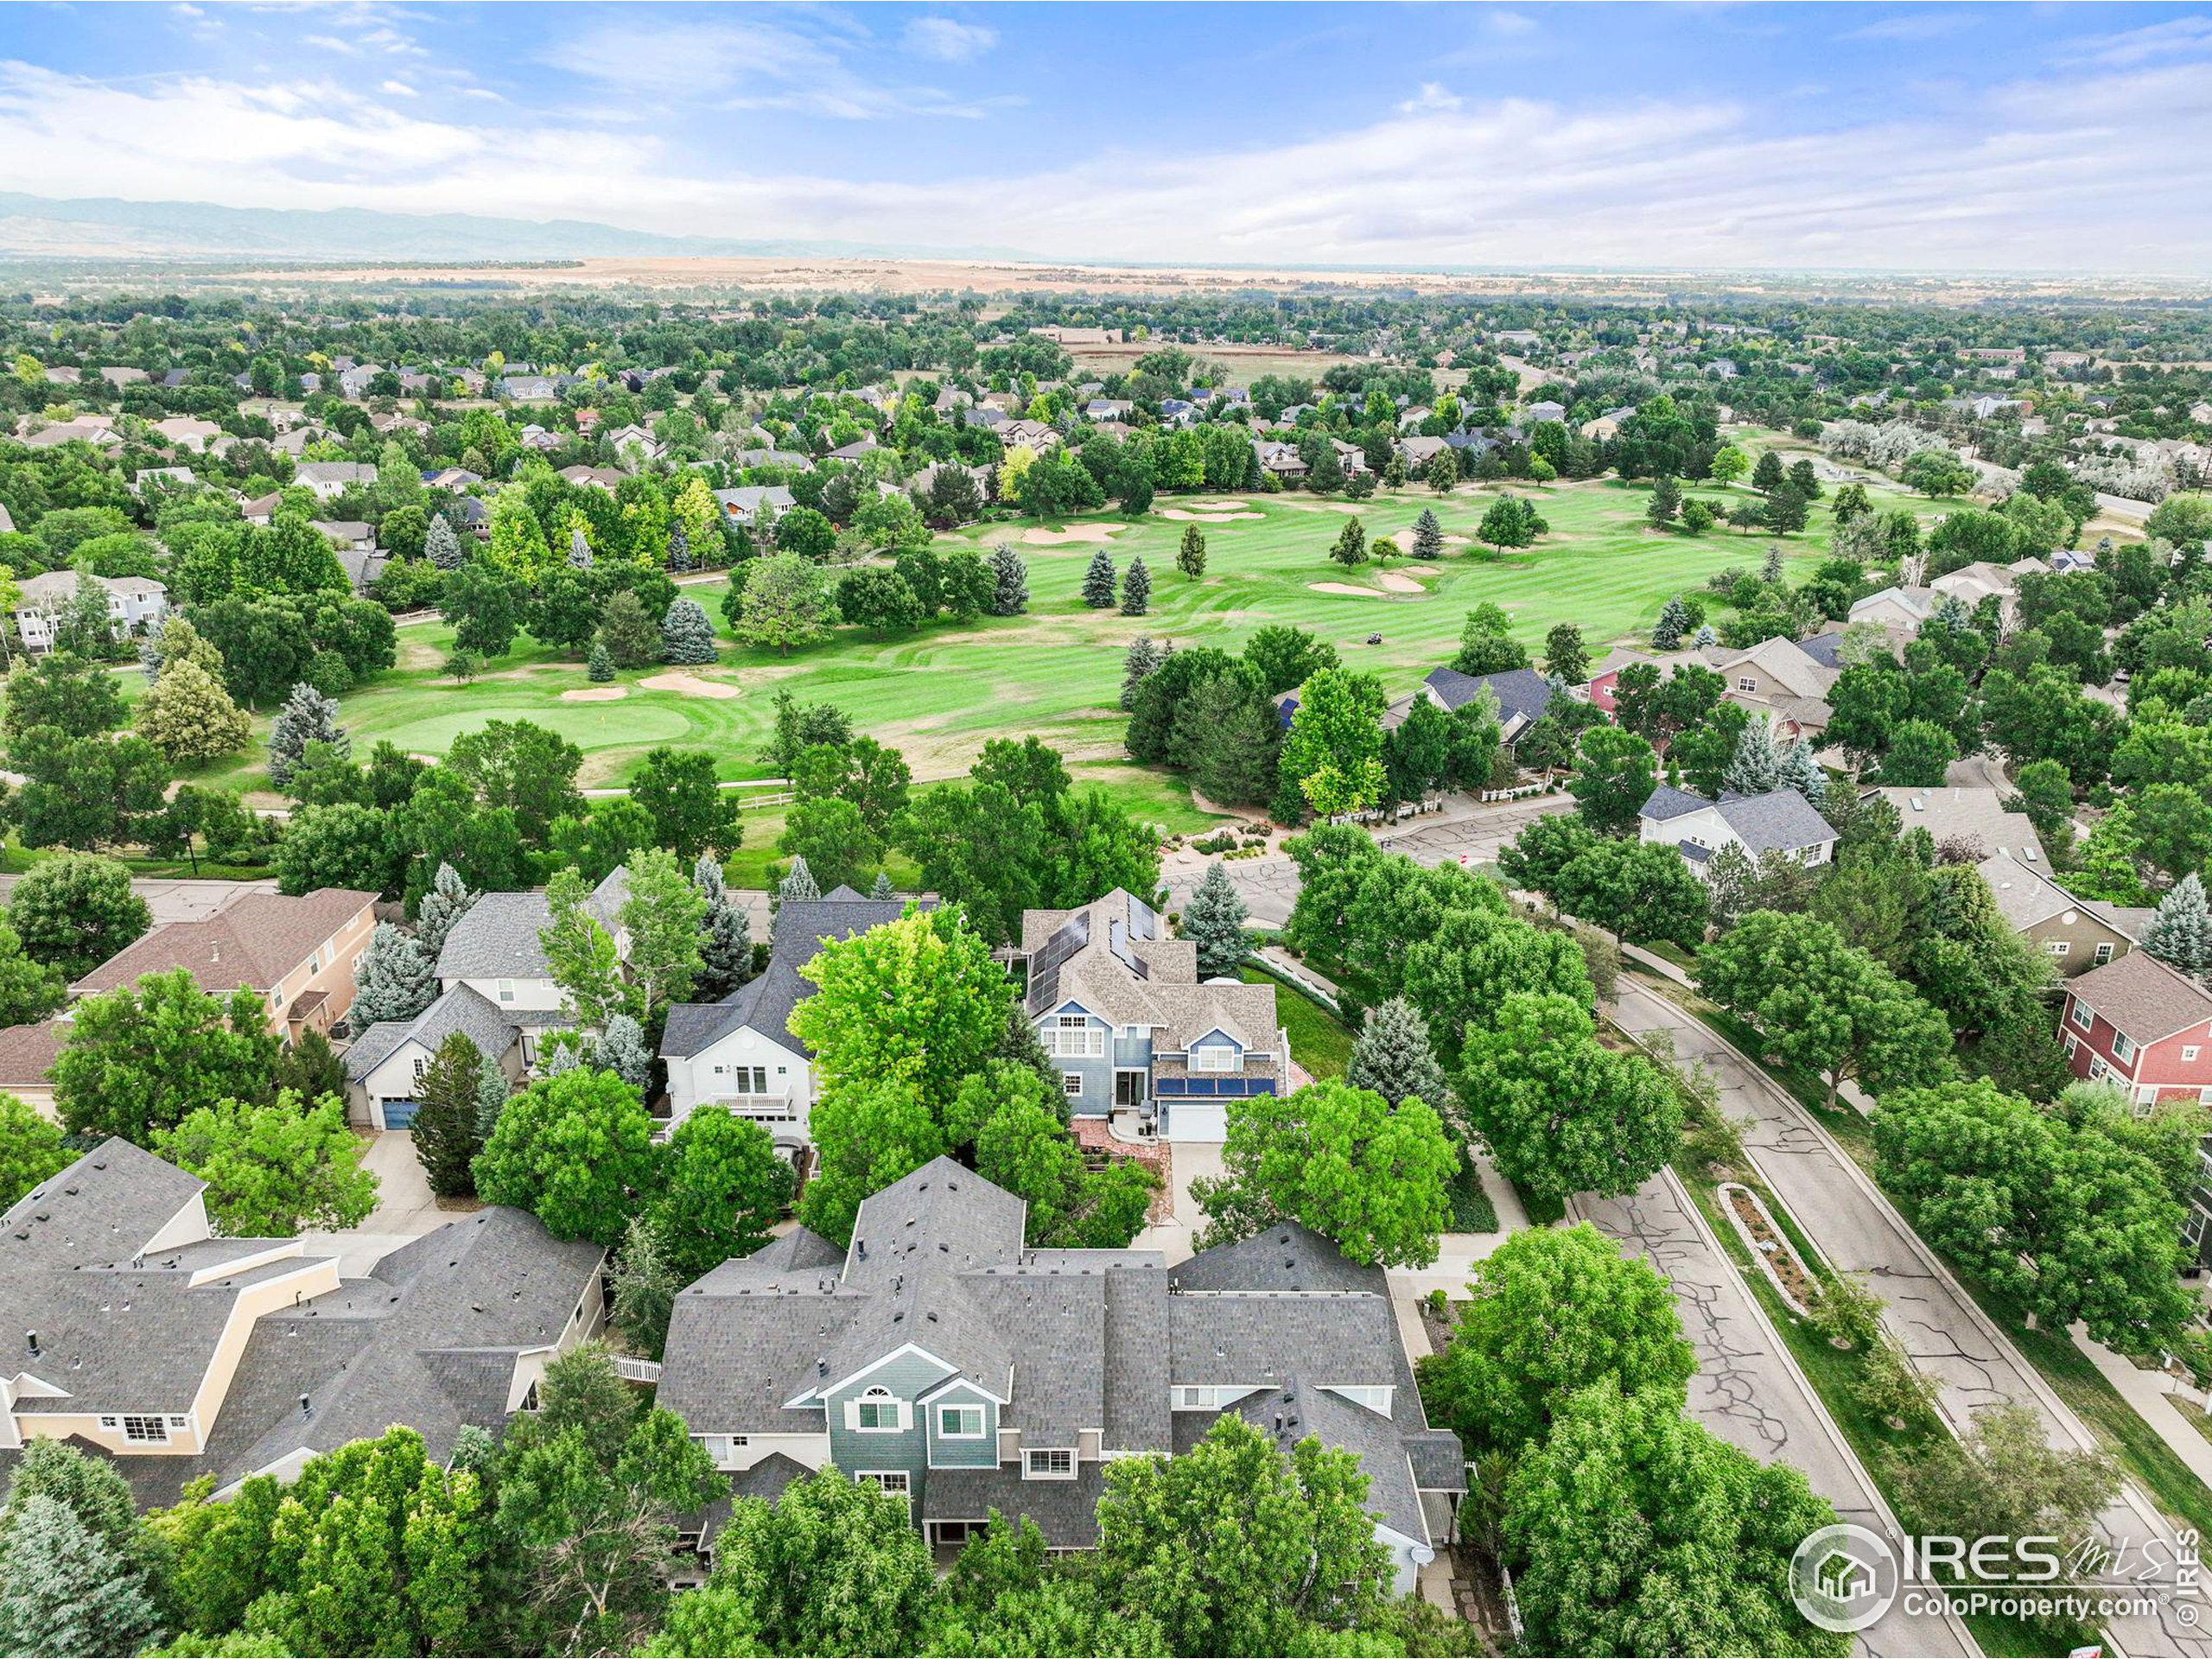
135	603
2076	934
942	1359
2137	1024
1780	821
496	951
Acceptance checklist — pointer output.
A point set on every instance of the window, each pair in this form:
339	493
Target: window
146	1431
2104	953
1055	1465
1074	1037
2057	947
1071	1085
2123	1047
897	1481
2097	1068
1206	1396
421	1065
960	1423
2188	1053
879	1412
2072	1043
1214	1057
2082	1014
506	990
1746	683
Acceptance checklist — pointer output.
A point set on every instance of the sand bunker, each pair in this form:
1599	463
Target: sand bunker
1343	587
1396	583
1404	538
688	685
1230	505
596	694
1208	518
1098	533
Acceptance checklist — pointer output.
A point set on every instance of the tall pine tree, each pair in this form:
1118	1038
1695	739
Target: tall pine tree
686	635
1009	581
725	949
445	904
441	546
1139	664
1674	623
307	717
1756	767
1098	582
446	1116
1136	589
1428	536
1214	921
2180	935
1190	556
395	978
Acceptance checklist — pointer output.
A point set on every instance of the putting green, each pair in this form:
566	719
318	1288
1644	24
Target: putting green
587	725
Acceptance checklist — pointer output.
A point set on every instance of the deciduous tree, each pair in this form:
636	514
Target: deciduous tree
274	1169
575	1150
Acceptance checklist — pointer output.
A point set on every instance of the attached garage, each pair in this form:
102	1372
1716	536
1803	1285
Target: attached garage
384	1066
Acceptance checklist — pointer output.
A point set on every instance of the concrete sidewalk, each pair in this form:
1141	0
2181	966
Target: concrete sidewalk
2148	1393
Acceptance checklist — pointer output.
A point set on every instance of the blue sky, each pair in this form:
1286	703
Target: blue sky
1876	136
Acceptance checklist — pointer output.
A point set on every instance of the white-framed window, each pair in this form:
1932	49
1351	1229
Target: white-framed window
1206	1396
1054	1463
2123	1047
146	1431
2097	1068
506	990
2072	1043
2083	1015
1746	683
897	1481
2103	954
2188	1053
1071	1085
960	1423
422	1067
1213	1057
878	1412
2059	947
1074	1037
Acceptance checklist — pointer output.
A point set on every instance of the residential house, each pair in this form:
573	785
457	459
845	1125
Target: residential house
297	955
791	460
125	376
85	429
2137	1024
296	439
984	414
416	383
162	478
984	478
2068	560
1039	437
2076	934
495	951
331	478
184	432
528	389
135	603
353	383
262	508
744	504
1177	412
1901	610
181	1354
1522	337
739	1055
451	478
1349	456
867	446
1107	408
1967	816
1279	460
1780	679
1780	821
27	1055
1522	696
1132	1031
386	1063
604	478
1417	452
1068	335
354	535
1545	410
637	441
941	1359
1971	583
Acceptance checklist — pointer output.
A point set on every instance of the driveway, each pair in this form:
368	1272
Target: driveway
405	1209
1748	1390
1929	1314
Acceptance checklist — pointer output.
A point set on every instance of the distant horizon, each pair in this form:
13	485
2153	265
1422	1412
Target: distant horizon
1864	141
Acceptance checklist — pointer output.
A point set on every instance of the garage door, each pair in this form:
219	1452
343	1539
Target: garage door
400	1113
1196	1120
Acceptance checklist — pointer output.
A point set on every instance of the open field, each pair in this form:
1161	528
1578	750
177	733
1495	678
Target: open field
939	694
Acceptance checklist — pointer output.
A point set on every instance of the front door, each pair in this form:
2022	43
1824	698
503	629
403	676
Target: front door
1129	1087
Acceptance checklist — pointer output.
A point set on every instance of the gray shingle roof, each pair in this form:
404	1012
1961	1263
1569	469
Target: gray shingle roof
1667	802
497	935
1781	819
765	1004
1826	649
460	1009
1520	691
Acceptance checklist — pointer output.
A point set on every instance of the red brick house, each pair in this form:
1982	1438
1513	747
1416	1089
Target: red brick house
2137	1023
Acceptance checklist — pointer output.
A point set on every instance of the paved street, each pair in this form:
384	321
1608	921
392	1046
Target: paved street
1749	1391
1929	1314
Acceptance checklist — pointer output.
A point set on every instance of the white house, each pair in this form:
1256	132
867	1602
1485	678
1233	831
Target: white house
494	950
330	479
385	1063
134	603
1779	821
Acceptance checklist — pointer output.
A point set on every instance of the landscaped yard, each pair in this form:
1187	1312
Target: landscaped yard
1319	1041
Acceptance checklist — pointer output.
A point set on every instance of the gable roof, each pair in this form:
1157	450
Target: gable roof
1781	820
765	1004
2025	897
1522	694
2142	998
1826	649
254	940
1112	958
461	1009
497	937
1966	813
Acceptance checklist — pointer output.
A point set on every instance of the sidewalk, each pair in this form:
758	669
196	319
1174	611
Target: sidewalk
2147	1392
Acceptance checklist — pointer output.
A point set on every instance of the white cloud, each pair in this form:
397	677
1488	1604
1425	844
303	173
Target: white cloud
399	88
1433	95
946	39
1511	24
1925	24
740	65
2154	40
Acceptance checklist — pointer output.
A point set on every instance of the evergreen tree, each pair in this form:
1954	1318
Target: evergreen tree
1428	536
620	1048
798	883
1706	635
1756	767
1393	1056
1009	581
441	546
1674	623
725	947
493	1088
307	717
1190	556
1351	544
63	1589
1136	589
445	904
1214	920
645	1285
579	550
1769	476
1098	582
1139	664
1770	568
598	665
679	550
395	979
446	1116
1666	502
882	890
686	635
2180	935
1801	772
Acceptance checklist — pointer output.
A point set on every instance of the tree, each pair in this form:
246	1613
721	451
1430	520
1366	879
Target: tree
1006	1595
1009	581
1756	767
440	908
1191	555
189	717
778	601
1636	890
1098	582
76	910
643	1288
485	607
1285	657
64	1591
628	631
1666	502
440	545
393	979
1728	464
136	1058
1428	536
1242	1547
1552	1311
663	914
1936	472
1562	1114
1136	589
686	635
30	1150
580	953
1333	752
2180	934
1442	472
834	1565
1350	547
1139	664
1785	512
1673	625
62	690
29	990
523	768
1022	1144
274	1169
575	1150
1714	1530
620	1046
1565	657
2005	1479
1341	1160
1614	775
725	937
867	1133
691	814
1510	522
1824	1005
446	1138
1920	752
307	717
798	884
1393	1057
882	602
599	666
722	1188
1486	644
1214	919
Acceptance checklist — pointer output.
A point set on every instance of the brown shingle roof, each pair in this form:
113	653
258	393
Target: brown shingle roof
28	1051
254	940
2142	998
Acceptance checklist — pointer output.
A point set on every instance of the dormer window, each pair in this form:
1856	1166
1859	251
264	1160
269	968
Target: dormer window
1213	1057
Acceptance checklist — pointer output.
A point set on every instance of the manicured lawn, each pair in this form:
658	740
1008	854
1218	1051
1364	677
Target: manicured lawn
1056	673
1319	1041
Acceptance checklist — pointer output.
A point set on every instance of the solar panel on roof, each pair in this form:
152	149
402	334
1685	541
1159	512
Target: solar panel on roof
1045	967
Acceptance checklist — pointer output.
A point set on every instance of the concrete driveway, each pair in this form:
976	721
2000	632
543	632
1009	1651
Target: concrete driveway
405	1209
1172	1239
